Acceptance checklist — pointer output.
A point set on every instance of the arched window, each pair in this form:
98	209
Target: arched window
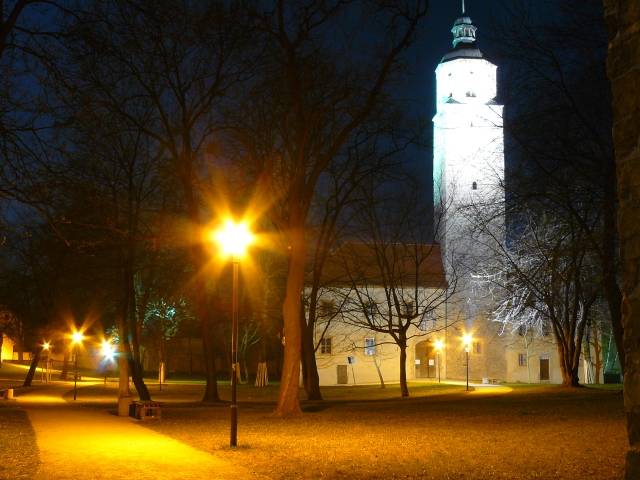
474	186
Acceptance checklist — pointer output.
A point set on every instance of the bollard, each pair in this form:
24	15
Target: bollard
8	393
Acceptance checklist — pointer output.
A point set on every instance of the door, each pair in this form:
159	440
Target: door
343	375
544	368
425	354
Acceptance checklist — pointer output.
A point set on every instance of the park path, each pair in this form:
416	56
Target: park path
87	443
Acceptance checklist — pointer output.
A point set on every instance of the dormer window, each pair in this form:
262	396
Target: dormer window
471	93
474	186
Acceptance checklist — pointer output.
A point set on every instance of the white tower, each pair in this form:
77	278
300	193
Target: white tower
468	163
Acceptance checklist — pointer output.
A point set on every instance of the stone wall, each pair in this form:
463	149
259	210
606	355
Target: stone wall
622	20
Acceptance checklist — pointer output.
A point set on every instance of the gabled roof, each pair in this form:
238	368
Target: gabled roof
385	265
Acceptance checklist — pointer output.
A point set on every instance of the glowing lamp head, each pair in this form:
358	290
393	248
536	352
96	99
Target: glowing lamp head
234	238
77	337
438	345
46	345
107	349
467	339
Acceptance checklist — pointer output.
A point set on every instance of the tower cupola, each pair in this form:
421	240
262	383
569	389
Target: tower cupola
464	32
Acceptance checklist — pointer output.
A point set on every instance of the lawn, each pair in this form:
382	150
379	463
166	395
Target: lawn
441	431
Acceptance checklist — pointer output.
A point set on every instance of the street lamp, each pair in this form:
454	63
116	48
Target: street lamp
467	342
107	351
233	239
45	376
438	348
77	339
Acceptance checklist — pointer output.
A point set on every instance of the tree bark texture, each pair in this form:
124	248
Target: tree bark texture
32	369
622	20
403	365
288	401
312	379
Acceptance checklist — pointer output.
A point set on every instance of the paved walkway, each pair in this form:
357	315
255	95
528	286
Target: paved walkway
84	443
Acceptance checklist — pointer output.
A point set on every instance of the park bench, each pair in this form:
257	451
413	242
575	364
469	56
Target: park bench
145	410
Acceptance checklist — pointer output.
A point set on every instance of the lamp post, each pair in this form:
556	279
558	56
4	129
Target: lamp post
438	348
107	350
43	378
234	239
77	339
467	342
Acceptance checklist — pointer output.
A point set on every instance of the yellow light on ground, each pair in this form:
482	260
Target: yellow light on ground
77	337
234	238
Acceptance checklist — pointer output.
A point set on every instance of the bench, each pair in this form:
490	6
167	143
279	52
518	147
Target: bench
145	410
490	381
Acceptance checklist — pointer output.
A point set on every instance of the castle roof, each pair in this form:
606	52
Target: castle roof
390	265
464	40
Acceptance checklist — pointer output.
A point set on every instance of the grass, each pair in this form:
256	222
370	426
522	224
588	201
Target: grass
366	432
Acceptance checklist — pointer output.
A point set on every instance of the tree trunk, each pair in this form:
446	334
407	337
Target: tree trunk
204	309
622	19
262	377
375	362
567	368
312	379
1	343
130	322
32	369
65	365
123	367
403	365
288	402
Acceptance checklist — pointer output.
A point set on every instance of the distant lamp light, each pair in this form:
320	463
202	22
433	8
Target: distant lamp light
46	346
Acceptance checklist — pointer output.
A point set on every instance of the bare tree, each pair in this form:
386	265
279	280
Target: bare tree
394	277
327	67
547	277
167	70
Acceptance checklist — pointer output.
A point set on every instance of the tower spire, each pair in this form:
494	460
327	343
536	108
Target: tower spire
463	11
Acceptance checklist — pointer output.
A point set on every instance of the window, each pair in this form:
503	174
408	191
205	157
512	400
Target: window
522	360
474	186
546	328
408	308
522	330
427	322
370	311
327	308
369	346
471	94
580	360
325	345
476	347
